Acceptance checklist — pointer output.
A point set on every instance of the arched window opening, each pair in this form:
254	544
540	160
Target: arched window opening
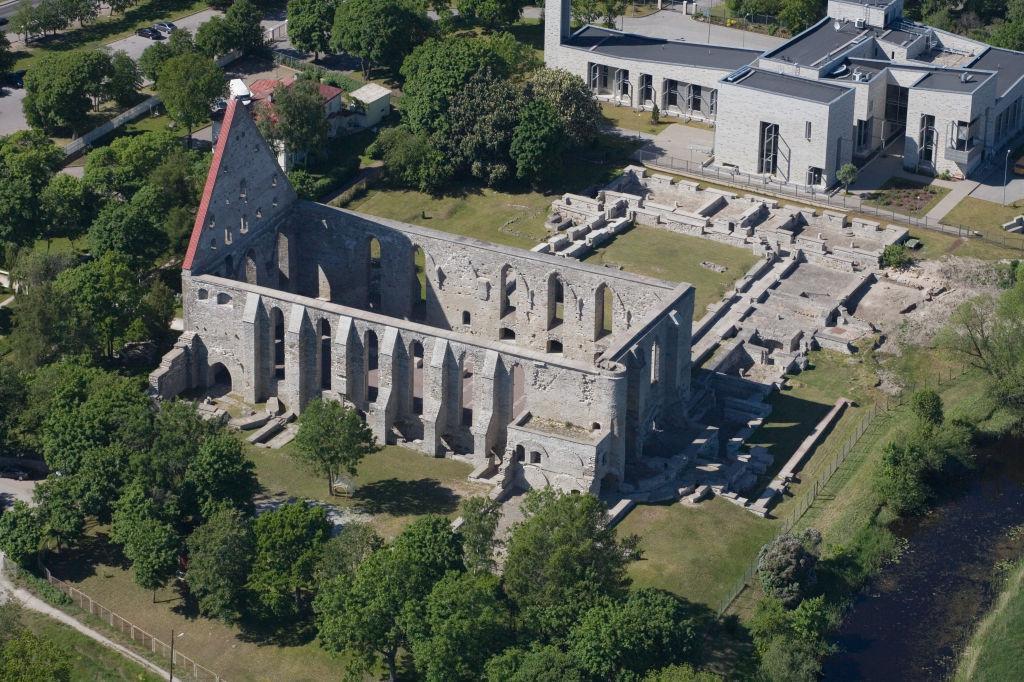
655	363
416	351
466	391
202	294
283	262
554	346
466	318
419	301
556	301
520	453
223	299
373	274
251	276
229	266
508	291
277	323
518	390
372	372
325	355
603	321
534	457
506	334
323	284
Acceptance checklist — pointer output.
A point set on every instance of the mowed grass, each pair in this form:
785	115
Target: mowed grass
697	552
98	569
994	652
987	218
90	660
677	258
626	118
394	485
512	217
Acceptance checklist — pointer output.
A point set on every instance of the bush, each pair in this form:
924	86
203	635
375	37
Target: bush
896	256
785	566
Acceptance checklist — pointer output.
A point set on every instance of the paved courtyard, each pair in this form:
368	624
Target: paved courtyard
681	142
135	45
674	24
12	118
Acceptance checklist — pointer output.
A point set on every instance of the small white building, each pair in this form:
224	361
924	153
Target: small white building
372	105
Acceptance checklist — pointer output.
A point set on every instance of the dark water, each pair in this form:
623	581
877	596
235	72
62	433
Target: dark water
914	620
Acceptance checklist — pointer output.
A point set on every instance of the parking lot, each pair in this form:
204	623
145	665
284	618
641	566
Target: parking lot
134	45
12	118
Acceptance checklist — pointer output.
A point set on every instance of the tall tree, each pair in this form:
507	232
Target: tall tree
380	33
61	87
492	13
60	509
65	209
289	541
536	664
537	142
571	101
243	20
152	549
125	79
309	25
221	476
479	523
219	557
344	552
153	57
296	119
21	531
28	160
563	559
6	56
189	84
333	438
30	658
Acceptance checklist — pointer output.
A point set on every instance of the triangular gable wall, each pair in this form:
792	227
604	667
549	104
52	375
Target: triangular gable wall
246	192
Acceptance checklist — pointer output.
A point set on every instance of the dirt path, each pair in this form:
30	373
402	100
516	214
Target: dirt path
29	601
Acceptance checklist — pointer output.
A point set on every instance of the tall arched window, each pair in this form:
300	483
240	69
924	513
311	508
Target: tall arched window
556	301
518	390
277	325
283	261
466	390
325	354
251	273
604	323
373	274
372	373
655	362
416	355
419	299
508	290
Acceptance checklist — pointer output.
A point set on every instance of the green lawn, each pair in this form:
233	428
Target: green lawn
625	117
677	258
987	218
394	485
994	652
906	197
509	217
697	552
109	28
90	660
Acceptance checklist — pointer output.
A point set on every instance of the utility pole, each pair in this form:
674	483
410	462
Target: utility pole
1006	168
170	673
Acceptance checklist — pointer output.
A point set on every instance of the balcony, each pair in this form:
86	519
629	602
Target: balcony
965	156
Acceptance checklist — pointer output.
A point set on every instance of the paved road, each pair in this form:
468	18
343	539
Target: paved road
11	490
30	601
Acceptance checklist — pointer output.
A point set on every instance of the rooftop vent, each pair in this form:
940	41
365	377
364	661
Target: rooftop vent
859	76
859	23
840	71
965	77
838	25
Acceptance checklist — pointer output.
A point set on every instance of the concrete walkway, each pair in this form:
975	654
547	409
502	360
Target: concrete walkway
30	601
958	191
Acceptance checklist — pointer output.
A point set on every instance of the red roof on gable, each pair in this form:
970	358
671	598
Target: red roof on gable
263	87
211	180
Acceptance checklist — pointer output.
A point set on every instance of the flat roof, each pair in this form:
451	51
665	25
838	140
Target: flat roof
868	3
1008	65
898	37
621	45
817	42
790	86
949	81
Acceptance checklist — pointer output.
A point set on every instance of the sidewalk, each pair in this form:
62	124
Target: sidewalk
958	191
30	601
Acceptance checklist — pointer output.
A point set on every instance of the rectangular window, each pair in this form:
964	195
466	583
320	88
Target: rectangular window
813	176
768	148
671	94
807	130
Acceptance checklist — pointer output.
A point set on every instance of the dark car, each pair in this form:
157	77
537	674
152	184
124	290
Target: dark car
3	21
13	472
150	32
165	27
16	79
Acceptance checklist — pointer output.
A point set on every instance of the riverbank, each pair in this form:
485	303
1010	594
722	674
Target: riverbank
994	652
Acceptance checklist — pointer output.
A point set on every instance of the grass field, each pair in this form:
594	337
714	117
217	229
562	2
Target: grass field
512	217
625	117
90	660
988	218
394	485
677	258
994	652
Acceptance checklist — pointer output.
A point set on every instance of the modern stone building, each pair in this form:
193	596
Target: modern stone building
550	370
860	79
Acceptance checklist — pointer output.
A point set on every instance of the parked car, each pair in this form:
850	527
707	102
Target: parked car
150	32
3	21
13	472
16	79
165	27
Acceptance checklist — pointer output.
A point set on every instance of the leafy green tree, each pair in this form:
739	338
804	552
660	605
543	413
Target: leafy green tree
152	549
571	101
100	476
126	165
519	58
21	531
465	622
623	640
479	523
25	22
796	15
380	33
221	476
492	13
537	143
347	550
309	25
219	557
847	175
28	160
786	566
129	231
611	10
153	57
189	84
65	207
12	399
895	256
791	643
1009	34
121	6
243	20
372	615
332	438
215	37
125	79
29	658
296	119
682	672
563	560
60	509
536	664
479	129
409	158
927	407
289	541
179	433
60	87
6	56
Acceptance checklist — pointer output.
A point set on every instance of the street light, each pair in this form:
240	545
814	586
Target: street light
1006	168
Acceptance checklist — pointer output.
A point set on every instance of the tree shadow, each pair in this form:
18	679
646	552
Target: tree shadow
90	553
400	498
289	632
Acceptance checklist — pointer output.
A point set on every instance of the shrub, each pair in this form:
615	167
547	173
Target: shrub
896	256
785	566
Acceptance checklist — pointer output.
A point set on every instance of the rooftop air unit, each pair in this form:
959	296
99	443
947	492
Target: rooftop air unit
965	77
838	25
859	23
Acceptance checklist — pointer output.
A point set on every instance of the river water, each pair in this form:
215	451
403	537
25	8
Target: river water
916	617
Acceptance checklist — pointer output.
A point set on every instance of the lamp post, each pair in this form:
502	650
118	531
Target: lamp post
1006	168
